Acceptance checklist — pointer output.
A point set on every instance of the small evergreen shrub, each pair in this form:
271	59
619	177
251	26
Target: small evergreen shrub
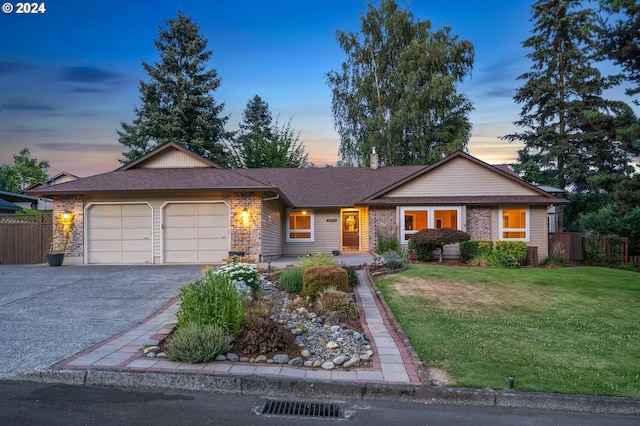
291	279
393	260
211	300
473	249
516	249
331	300
352	275
318	278
195	343
316	259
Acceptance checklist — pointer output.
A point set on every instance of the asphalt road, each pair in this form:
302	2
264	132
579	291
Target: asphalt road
48	314
27	403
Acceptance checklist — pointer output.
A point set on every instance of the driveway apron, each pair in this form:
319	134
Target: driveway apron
48	314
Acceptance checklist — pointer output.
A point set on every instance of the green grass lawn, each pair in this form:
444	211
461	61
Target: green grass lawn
567	330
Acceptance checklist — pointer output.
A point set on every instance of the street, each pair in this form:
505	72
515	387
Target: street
29	403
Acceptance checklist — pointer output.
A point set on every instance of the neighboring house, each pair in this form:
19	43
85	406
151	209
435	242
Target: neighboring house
174	206
7	207
46	203
19	201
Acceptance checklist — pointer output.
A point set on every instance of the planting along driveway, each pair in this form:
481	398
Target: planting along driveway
48	313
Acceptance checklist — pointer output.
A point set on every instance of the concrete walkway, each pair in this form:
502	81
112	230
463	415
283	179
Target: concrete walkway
391	363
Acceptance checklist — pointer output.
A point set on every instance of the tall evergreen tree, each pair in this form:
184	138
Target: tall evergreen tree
263	144
177	102
620	39
397	91
571	132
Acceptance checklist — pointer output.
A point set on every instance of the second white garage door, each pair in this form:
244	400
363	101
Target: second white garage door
195	232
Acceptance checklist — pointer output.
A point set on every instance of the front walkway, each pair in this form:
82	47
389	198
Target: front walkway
391	362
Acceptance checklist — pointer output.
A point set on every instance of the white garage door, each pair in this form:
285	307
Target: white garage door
195	232
120	233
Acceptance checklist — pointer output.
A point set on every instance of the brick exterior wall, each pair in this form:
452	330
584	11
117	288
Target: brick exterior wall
479	223
75	205
246	231
381	220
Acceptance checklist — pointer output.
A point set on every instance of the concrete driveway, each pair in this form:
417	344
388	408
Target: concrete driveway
48	313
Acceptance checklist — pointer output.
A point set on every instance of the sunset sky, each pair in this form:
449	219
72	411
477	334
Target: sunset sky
70	75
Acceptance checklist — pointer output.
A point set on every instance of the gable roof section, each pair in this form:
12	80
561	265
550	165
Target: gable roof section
170	155
461	179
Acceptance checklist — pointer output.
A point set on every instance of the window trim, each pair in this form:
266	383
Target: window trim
527	223
430	219
289	230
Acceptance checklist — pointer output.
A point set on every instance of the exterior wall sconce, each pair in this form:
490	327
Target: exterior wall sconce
66	218
245	213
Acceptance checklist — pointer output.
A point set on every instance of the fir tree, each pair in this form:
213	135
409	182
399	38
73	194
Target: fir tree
177	103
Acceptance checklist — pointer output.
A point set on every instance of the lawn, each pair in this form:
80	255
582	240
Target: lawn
566	330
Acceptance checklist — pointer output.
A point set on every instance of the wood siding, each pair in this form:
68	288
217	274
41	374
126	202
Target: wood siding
326	234
172	159
273	225
460	177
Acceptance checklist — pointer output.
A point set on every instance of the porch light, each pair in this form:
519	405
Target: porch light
245	213
66	218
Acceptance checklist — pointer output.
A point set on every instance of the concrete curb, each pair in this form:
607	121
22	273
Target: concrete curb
297	389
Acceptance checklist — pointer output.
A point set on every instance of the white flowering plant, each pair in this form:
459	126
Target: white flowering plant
246	273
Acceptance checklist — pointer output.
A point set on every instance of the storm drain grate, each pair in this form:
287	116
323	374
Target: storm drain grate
303	409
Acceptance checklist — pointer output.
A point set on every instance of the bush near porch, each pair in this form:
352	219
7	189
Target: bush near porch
565	330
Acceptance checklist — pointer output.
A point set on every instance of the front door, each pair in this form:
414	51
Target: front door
350	230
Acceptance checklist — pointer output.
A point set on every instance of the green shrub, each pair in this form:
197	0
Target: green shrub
196	343
291	279
316	259
516	249
211	300
393	260
427	241
352	275
331	300
388	241
472	249
318	278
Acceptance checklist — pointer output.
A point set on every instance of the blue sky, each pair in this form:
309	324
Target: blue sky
69	76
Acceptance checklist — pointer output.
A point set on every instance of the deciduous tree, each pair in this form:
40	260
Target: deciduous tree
397	90
23	172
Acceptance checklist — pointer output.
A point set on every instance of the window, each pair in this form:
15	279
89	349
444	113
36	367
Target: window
514	224
413	219
300	225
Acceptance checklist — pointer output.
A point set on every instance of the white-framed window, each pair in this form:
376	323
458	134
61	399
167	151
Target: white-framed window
514	223
415	218
299	225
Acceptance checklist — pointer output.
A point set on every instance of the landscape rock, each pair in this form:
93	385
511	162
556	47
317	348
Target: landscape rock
281	358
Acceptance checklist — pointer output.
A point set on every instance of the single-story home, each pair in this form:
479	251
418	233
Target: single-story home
174	206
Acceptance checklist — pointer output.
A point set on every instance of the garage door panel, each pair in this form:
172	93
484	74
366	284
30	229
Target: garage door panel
120	233
195	232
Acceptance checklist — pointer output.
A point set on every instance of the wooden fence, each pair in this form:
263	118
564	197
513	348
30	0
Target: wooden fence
570	243
24	238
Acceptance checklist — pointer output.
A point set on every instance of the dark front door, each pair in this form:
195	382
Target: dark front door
351	230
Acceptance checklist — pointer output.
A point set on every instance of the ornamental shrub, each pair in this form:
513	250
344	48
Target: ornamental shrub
242	271
316	259
473	249
211	300
427	241
352	275
318	278
331	300
291	279
517	249
197	343
393	260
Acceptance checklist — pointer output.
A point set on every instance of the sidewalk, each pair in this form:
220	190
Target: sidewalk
391	363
